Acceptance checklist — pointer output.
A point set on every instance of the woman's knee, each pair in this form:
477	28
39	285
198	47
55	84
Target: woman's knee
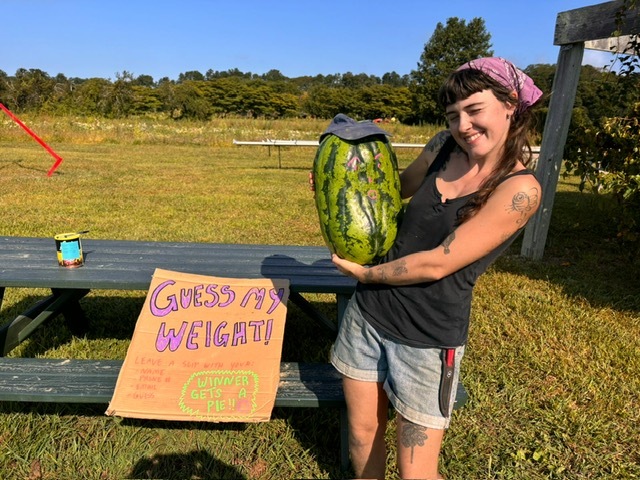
367	408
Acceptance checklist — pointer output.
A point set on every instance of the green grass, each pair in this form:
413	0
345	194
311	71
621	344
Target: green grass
553	361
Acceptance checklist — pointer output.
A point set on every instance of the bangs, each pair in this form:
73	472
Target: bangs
462	84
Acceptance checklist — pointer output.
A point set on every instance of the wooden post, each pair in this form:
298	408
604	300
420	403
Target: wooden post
556	128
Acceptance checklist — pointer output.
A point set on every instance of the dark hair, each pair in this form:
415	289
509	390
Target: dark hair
462	84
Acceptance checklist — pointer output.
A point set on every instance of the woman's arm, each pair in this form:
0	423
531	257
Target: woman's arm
506	211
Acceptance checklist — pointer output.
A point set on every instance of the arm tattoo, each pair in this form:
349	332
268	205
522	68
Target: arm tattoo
400	268
436	143
412	435
383	272
523	203
447	242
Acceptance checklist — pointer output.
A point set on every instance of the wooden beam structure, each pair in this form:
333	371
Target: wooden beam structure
574	30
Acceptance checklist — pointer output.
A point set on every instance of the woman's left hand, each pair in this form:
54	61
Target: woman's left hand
348	267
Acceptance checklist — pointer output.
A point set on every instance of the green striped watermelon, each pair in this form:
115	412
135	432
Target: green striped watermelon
357	194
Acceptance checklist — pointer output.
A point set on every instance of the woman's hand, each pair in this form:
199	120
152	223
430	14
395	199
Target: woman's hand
349	268
312	182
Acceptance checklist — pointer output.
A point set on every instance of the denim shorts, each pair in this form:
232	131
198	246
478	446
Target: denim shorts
410	375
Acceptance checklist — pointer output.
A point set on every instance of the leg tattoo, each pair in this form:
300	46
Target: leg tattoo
412	435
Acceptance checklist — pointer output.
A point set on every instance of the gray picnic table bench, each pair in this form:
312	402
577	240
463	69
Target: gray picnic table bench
28	262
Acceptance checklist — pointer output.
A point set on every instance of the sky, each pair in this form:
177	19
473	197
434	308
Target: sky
163	38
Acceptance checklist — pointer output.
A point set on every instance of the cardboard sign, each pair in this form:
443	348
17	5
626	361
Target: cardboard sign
204	348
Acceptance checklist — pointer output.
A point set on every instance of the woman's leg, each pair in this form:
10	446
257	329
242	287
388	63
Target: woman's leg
367	410
418	450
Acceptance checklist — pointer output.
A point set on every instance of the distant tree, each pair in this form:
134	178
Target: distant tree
4	83
542	75
144	81
324	101
274	76
91	97
302	84
193	75
395	80
349	80
233	72
121	95
382	101
333	79
60	100
450	46
30	89
145	100
189	100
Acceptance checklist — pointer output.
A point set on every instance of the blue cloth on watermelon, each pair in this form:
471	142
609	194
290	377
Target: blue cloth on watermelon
348	129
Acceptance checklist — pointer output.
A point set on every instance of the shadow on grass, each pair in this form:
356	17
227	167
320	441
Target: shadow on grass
318	431
198	464
106	317
583	254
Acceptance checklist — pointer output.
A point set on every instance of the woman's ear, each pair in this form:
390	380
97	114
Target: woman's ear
511	106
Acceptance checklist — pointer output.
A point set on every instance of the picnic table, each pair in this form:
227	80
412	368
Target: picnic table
29	262
129	265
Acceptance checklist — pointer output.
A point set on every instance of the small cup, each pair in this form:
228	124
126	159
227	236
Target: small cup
69	250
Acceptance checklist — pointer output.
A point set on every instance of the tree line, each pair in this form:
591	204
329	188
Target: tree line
409	98
201	96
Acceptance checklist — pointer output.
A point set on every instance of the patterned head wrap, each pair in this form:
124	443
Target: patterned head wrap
508	75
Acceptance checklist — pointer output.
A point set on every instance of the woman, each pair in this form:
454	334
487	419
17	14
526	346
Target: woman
403	335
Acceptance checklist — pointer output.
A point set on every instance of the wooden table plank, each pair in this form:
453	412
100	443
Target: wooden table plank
129	265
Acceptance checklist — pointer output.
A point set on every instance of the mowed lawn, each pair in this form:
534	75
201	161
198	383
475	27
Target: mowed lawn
553	361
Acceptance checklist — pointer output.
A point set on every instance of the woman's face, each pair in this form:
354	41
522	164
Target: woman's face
480	124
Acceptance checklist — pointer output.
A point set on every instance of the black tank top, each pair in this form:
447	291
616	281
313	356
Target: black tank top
430	314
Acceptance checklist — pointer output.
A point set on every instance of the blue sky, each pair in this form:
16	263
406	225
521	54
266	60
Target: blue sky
163	38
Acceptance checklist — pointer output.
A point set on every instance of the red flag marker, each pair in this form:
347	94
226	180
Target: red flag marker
38	139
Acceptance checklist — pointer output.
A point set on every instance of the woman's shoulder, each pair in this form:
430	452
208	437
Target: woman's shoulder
442	145
437	141
520	185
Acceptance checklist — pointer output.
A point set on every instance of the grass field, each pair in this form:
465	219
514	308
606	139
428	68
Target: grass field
552	366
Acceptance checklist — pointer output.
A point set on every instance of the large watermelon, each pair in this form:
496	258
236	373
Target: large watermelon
357	194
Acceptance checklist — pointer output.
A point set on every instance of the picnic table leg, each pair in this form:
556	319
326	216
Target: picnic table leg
307	308
342	300
19	329
72	311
